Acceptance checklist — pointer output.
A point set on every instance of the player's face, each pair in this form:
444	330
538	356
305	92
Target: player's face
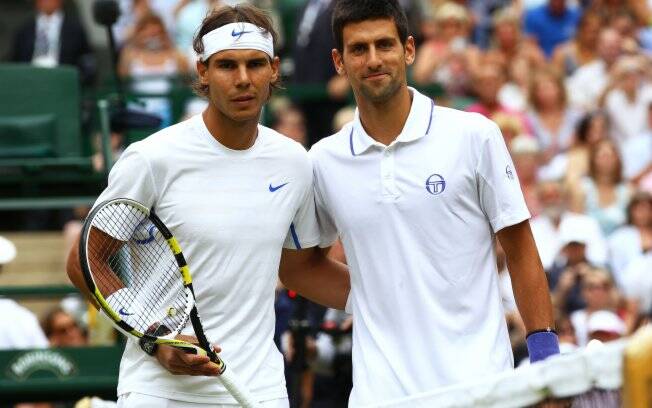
374	59
239	82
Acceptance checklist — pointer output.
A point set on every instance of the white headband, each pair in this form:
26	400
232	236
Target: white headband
237	36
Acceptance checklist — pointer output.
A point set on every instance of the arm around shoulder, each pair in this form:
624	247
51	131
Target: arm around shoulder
312	274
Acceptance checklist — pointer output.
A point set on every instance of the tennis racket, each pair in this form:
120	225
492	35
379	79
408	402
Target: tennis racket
134	268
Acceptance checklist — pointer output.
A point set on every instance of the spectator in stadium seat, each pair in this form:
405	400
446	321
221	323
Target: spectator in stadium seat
446	56
553	121
130	12
487	82
625	23
591	129
570	267
19	327
637	152
510	126
555	218
628	97
188	17
526	154
62	330
639	11
313	67
598	293
632	239
603	194
514	93
566	332
289	121
605	326
551	24
151	61
53	37
509	43
581	49
587	85
482	12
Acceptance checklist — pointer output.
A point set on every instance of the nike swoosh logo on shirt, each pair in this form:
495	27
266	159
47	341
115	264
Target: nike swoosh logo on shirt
272	188
124	312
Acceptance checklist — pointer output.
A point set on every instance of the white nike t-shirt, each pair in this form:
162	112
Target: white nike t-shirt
232	213
417	220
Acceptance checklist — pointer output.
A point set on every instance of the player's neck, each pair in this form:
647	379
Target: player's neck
236	135
385	121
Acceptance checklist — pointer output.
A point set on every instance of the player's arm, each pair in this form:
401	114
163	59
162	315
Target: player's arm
73	268
315	276
109	282
530	289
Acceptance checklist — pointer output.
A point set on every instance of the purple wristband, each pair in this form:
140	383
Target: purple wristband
541	345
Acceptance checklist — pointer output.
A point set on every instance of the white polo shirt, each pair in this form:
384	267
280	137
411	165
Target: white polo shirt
417	220
232	211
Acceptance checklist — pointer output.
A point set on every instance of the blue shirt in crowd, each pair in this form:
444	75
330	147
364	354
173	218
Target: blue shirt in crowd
550	30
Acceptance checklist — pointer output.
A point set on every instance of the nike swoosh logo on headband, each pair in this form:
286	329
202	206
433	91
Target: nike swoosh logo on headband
239	33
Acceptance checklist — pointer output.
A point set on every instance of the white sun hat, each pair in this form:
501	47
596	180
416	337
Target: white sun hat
7	251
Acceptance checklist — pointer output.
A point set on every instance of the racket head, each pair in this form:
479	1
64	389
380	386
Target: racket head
125	247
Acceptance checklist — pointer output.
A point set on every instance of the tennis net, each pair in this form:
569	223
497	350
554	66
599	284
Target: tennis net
607	375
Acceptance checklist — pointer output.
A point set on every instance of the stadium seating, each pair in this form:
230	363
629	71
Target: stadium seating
41	142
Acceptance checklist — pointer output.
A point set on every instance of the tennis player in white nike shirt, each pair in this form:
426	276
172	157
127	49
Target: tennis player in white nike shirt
418	193
239	198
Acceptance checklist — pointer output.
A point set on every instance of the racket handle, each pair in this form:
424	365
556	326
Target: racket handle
238	390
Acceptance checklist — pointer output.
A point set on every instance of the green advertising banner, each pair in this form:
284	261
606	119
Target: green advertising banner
58	374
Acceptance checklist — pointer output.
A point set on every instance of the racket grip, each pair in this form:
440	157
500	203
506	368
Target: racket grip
238	390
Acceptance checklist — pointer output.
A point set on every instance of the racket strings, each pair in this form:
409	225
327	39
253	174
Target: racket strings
128	253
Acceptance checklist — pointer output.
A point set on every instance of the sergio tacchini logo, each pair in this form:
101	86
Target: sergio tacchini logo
435	184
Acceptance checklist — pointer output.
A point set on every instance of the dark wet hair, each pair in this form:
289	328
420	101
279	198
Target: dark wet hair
355	11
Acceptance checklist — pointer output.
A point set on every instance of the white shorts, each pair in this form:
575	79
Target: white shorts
136	400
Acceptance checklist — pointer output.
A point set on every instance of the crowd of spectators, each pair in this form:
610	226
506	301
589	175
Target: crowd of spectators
568	82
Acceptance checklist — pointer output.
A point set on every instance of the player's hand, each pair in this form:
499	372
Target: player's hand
346	324
178	362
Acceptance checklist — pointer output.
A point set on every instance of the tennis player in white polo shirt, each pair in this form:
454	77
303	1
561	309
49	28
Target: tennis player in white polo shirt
239	197
417	193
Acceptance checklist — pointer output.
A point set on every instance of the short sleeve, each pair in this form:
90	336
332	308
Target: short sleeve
304	232
499	190
131	178
327	229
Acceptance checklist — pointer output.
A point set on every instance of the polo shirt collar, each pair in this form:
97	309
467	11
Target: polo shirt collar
416	126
